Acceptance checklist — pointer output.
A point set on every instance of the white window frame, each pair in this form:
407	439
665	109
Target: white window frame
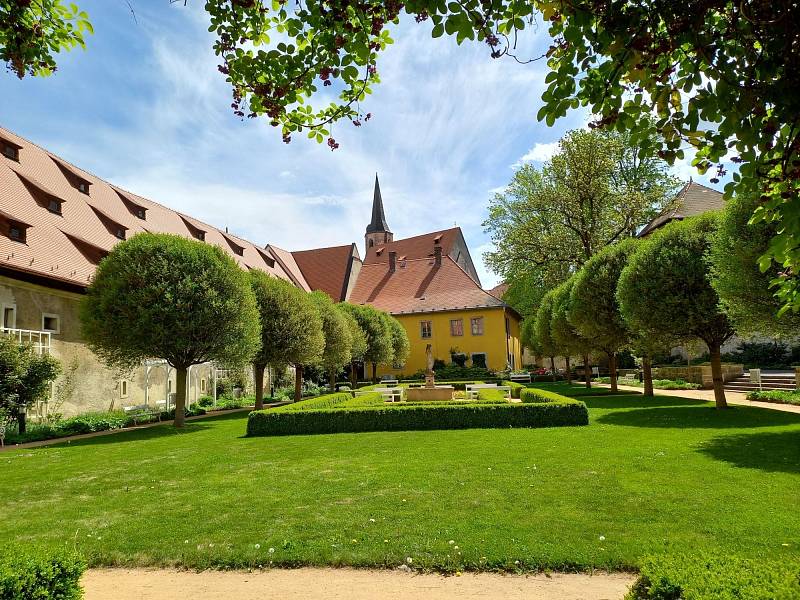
472	322
422	329
13	324
45	316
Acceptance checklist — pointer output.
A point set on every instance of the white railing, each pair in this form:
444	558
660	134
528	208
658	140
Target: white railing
40	339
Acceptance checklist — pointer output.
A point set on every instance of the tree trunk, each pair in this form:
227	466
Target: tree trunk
353	378
612	368
298	383
180	396
374	372
258	379
569	370
332	379
553	367
716	375
647	375
587	372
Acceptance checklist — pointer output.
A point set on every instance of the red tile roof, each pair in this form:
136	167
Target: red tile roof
419	246
418	285
498	290
327	269
693	199
64	247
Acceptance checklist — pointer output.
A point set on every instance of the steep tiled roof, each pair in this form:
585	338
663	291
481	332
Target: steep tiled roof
327	269
498	290
418	285
694	199
419	246
66	246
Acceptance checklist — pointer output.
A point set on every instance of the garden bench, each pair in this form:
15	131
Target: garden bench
520	377
473	389
390	382
142	412
390	394
628	379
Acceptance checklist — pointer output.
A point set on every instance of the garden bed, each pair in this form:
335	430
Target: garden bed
776	396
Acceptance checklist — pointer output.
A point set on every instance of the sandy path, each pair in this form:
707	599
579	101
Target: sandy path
345	584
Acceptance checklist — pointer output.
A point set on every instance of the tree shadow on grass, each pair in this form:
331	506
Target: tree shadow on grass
149	433
637	401
699	416
773	452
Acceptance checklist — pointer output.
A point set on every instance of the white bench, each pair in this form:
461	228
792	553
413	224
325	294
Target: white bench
473	389
389	382
390	394
520	377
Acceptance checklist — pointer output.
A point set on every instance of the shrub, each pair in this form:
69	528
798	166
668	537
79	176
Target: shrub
206	401
454	372
409	417
537	396
692	577
27	574
94	421
192	411
373	399
326	401
776	396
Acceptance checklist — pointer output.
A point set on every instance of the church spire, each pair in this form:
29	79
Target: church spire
378	223
377	231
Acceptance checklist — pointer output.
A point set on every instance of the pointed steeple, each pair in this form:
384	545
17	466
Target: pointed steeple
378	223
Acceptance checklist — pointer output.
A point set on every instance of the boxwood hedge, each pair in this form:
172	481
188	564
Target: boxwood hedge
409	417
29	574
537	396
693	577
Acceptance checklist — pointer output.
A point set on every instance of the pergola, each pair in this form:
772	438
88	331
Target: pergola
192	372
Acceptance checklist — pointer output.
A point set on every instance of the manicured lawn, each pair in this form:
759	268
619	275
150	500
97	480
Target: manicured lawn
646	476
579	389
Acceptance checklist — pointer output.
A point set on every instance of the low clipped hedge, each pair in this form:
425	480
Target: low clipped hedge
324	401
410	417
516	387
537	396
692	577
27	574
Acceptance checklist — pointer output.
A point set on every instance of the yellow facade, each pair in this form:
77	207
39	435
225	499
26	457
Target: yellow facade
499	340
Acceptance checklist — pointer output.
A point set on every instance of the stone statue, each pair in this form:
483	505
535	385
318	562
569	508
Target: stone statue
429	382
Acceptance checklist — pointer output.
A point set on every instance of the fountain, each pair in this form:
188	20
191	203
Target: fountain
430	391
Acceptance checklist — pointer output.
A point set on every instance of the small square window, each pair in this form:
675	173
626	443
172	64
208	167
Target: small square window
456	327
17	232
200	235
476	325
83	187
54	206
426	329
11	152
140	213
51	323
120	233
479	360
9	316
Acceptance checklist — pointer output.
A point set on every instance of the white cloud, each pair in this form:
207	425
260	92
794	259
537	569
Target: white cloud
539	153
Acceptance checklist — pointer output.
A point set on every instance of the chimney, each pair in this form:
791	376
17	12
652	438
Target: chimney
392	261
437	255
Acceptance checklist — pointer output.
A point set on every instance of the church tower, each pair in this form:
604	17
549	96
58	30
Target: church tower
377	231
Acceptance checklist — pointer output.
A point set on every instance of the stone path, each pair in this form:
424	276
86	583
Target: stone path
347	584
708	396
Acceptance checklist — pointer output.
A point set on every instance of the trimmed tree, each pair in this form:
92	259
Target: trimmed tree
401	346
746	292
358	340
164	296
665	291
565	335
291	330
338	339
542	331
593	306
377	332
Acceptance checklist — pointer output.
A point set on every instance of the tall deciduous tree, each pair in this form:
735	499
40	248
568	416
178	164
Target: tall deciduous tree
401	346
744	289
593	307
338	336
543	332
291	330
666	290
564	333
358	338
377	332
594	192
164	296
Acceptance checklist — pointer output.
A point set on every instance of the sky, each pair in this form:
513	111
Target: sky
145	108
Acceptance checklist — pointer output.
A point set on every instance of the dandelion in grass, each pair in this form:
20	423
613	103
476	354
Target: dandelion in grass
602	538
258	546
271	551
409	560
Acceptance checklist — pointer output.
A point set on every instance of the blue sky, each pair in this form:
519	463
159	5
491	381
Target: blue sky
145	108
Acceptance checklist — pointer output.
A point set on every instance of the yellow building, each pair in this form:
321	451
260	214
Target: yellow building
429	283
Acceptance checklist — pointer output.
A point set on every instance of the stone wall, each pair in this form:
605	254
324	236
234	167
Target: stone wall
698	373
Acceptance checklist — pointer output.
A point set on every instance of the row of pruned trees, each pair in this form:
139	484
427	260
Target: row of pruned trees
697	279
164	296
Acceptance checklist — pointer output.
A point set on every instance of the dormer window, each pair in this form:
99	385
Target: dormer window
75	179
136	209
83	186
120	233
118	230
235	248
196	232
54	206
10	150
18	231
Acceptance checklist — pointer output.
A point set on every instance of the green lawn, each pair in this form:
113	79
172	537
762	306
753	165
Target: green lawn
646	476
